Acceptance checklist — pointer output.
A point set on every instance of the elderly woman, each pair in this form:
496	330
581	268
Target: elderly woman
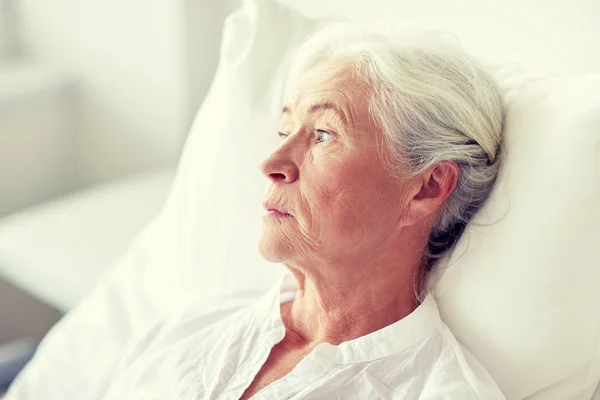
388	148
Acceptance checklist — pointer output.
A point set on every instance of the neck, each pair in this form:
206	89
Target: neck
335	304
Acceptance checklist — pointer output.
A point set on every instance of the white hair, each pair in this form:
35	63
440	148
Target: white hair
433	103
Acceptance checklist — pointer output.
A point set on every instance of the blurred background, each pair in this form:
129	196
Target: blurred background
96	99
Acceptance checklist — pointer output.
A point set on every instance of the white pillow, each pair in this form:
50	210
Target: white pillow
205	243
521	288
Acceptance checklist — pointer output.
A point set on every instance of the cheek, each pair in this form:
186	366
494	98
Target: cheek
349	201
323	178
342	196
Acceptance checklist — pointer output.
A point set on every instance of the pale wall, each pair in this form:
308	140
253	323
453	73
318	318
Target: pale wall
141	73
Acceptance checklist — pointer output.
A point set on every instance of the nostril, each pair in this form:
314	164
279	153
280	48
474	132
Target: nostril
277	176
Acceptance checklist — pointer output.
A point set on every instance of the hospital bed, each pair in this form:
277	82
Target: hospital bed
522	297
58	251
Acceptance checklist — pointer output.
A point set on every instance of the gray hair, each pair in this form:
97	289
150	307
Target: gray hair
433	103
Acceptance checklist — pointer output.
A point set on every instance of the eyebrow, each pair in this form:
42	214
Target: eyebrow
322	106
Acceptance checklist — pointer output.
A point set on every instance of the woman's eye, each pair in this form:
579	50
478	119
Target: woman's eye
323	136
282	135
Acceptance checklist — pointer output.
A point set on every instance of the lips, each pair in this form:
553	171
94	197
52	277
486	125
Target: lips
276	210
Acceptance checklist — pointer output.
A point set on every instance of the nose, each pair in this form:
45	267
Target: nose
279	168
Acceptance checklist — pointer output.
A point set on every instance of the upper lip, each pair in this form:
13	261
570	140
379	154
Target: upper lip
270	206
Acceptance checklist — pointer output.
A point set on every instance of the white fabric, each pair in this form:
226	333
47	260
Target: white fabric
216	353
561	38
59	251
523	301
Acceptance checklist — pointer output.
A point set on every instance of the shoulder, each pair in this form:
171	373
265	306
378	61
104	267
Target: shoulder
169	338
231	309
454	372
460	374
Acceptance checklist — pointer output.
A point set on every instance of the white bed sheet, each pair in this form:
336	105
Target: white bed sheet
60	250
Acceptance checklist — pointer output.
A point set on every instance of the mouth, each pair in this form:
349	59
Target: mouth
273	210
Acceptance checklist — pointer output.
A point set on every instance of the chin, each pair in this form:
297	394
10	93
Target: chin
272	250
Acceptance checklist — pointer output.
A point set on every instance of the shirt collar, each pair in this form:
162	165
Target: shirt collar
394	338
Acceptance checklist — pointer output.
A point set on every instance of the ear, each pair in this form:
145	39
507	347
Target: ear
430	189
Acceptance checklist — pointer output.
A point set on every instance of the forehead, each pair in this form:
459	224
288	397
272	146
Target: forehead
331	83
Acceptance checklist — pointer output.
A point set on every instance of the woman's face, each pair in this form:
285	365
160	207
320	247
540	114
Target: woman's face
327	174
